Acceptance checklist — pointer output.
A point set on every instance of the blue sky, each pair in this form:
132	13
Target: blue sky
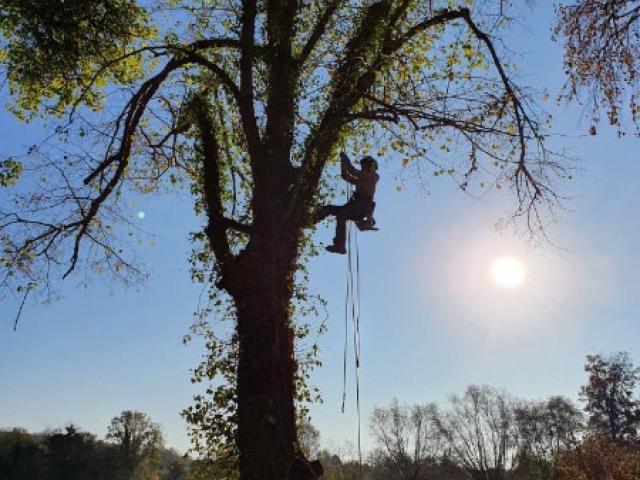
432	321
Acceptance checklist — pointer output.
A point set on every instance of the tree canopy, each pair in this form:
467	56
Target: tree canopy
609	393
71	454
136	436
601	42
244	104
136	84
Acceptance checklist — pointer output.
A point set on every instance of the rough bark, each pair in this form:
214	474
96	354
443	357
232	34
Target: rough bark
267	436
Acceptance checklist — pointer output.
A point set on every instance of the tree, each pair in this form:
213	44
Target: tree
609	396
545	430
75	455
597	458
601	40
344	464
72	455
479	432
137	438
21	456
245	104
407	440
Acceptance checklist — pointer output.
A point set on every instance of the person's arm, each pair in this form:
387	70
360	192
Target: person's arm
349	173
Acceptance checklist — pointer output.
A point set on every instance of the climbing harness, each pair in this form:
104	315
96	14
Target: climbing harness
366	223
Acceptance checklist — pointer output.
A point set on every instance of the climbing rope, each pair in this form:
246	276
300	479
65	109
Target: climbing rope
352	312
356	348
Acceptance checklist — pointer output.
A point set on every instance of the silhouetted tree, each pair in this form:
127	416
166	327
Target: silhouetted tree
601	42
609	396
138	439
480	433
21	456
75	455
72	455
407	440
246	104
545	430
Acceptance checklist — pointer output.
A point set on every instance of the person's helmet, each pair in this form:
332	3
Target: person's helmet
369	163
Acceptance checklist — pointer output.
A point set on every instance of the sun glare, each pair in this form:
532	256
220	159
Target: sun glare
507	272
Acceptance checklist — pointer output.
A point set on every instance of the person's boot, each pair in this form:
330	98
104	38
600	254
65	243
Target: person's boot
336	249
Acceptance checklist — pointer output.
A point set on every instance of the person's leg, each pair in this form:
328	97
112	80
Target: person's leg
340	239
341	231
327	211
354	210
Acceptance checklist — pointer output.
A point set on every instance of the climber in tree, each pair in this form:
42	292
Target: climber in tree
360	206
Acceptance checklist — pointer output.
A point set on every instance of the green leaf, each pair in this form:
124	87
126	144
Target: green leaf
10	170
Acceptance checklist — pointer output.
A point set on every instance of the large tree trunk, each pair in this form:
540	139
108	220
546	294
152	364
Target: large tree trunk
267	437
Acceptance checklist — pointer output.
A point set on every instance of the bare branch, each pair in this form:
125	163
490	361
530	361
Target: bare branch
439	19
135	108
220	73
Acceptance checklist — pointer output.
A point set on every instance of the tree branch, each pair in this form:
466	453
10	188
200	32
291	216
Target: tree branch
318	31
191	57
222	75
212	186
438	19
136	108
351	81
349	89
159	50
223	43
282	78
247	53
520	114
236	225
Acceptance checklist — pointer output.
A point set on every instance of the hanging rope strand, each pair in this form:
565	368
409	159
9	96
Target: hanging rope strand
352	309
356	347
346	347
347	302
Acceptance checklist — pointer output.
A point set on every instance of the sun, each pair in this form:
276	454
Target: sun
507	272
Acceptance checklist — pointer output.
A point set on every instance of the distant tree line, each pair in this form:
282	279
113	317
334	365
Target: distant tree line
133	450
487	434
481	434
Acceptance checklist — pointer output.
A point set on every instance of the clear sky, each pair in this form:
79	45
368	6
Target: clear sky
432	320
